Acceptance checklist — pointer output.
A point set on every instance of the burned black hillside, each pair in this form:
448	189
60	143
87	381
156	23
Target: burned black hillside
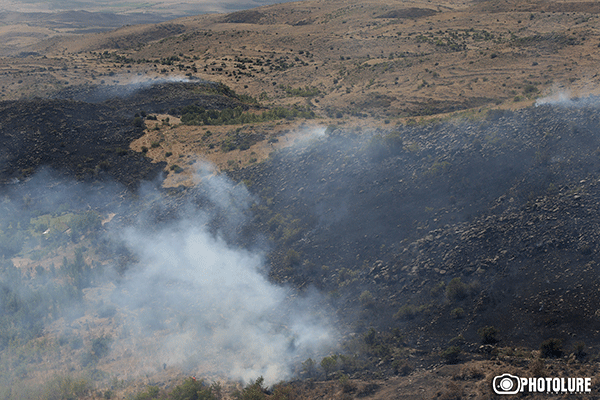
444	228
85	132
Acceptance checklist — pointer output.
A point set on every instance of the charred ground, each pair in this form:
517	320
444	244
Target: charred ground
85	132
505	204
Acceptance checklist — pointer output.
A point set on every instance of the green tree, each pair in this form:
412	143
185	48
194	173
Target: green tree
254	391
329	364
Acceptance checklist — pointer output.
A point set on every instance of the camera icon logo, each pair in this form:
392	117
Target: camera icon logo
506	384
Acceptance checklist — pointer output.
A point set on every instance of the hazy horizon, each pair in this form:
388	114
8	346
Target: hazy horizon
168	7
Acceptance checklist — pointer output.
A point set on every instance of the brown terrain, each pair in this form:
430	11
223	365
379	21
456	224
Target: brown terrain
384	61
365	70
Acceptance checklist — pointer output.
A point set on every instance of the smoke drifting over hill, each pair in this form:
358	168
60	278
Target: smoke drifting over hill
125	87
212	299
188	297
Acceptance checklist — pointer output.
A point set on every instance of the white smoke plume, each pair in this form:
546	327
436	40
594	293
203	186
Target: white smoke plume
562	98
212	301
191	299
565	98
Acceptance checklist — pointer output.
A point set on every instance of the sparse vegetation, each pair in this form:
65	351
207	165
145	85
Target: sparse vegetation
195	115
551	348
488	334
451	354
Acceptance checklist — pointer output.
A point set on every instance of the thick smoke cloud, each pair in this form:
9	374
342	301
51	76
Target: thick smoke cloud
212	300
192	299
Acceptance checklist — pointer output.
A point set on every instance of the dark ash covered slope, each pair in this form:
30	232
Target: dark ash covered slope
498	217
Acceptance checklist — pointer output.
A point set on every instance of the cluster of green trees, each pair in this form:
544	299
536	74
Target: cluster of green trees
192	389
307	91
27	304
196	115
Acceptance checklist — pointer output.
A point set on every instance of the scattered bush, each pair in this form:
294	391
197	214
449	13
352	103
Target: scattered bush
329	364
551	348
196	115
580	350
402	367
456	289
457	313
451	354
176	168
488	335
254	391
366	299
191	389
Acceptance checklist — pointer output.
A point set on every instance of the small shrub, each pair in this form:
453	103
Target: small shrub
198	390
309	367
176	168
453	392
438	289
457	340
366	299
254	391
292	258
451	354
347	386
537	368
154	145
530	89
457	313
329	364
457	290
402	367
150	393
138	122
551	348
488	335
580	350
406	312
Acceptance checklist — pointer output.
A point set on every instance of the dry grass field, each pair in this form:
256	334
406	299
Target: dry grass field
351	62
